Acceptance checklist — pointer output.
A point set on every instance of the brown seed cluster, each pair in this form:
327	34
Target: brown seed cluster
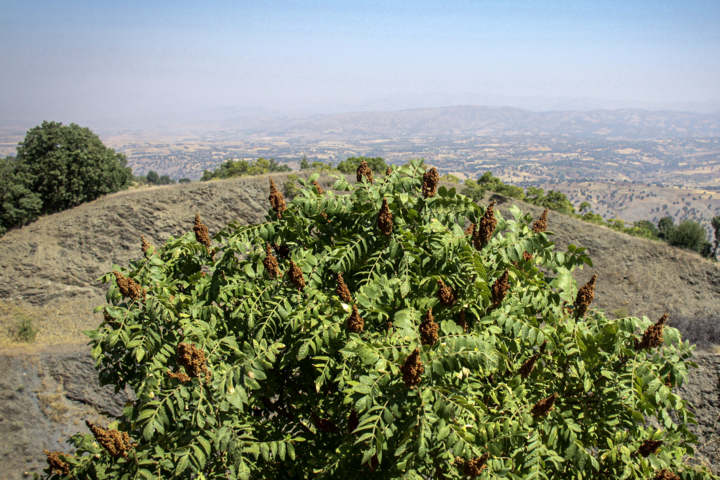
323	424
388	171
527	368
282	251
144	244
462	322
201	231
353	421
355	323
666	474
500	288
470	230
364	171
584	297
56	463
429	329
527	256
484	229
319	188
653	336
277	201
445	294
649	446
296	276
128	288
430	182
270	263
540	225
412	369
473	468
542	347
385	219
193	360
545	406
342	289
178	376
116	443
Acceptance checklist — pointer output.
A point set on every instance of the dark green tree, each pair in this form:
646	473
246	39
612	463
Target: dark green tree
350	165
473	190
494	184
304	164
18	204
184	180
665	226
369	336
165	180
688	234
68	165
648	226
716	227
153	177
232	168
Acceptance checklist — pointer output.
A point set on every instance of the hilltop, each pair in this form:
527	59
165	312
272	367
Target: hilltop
48	268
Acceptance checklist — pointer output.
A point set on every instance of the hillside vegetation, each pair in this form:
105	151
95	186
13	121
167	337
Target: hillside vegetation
48	269
386	329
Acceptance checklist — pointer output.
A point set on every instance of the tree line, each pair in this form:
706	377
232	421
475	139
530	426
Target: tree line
688	234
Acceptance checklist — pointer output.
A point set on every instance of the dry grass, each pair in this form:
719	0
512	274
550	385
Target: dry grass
52	402
59	322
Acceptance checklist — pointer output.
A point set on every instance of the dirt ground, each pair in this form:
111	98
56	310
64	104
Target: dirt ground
46	394
48	271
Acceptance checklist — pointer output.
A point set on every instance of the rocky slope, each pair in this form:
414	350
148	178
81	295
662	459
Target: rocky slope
48	271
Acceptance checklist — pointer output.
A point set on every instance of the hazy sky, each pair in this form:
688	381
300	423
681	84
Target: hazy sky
79	60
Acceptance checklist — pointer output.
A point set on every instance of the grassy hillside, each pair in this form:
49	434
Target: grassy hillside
48	269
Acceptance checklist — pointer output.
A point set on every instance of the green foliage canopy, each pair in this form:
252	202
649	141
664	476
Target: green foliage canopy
68	165
57	167
350	165
18	204
286	390
665	226
715	222
473	190
232	168
688	234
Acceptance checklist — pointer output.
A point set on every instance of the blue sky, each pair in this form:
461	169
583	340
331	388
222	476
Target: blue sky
109	59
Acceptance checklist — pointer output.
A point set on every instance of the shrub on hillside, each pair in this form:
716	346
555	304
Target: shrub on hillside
665	226
351	164
472	190
688	234
58	167
232	168
376	335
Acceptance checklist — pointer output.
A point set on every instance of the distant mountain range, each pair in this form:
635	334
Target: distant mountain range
479	120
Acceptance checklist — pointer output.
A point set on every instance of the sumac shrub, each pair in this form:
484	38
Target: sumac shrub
241	373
